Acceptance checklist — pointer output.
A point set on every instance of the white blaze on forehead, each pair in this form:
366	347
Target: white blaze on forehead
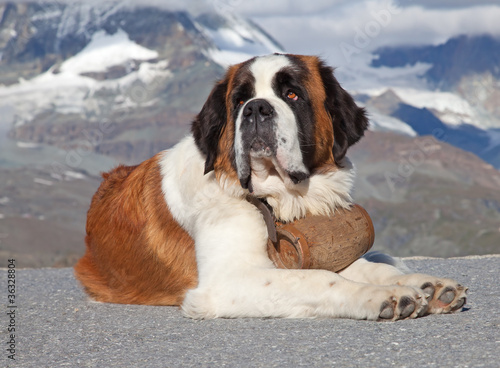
263	70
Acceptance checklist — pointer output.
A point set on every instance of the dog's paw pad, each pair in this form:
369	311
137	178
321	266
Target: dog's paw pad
447	295
387	309
406	306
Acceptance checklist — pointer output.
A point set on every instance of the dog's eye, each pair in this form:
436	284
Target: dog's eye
292	96
241	103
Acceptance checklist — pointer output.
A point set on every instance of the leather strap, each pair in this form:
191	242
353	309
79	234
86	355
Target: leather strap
268	216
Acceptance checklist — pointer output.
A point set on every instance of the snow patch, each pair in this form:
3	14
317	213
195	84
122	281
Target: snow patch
105	51
381	122
227	58
447	103
30	145
450	108
237	41
74	175
43	181
69	92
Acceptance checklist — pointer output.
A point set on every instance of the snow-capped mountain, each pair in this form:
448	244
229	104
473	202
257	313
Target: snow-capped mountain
67	67
236	39
455	97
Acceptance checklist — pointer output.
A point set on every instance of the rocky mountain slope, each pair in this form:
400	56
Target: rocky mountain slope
427	197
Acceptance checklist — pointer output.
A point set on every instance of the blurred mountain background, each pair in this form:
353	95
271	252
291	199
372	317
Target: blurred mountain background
87	85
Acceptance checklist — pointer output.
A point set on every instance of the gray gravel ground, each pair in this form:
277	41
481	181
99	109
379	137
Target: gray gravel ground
57	326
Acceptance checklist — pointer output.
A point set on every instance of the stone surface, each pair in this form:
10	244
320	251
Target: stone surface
58	326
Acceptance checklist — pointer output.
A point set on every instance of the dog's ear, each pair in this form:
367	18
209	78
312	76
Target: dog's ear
209	124
349	121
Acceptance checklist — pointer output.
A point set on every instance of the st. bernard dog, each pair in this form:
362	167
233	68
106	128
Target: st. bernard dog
178	228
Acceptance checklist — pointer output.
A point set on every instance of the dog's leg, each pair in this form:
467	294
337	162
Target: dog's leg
237	278
444	295
256	292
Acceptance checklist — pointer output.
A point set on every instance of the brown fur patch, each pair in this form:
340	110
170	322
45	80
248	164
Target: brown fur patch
136	252
323	128
223	165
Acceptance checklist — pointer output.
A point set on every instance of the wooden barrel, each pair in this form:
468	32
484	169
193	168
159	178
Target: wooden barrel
323	242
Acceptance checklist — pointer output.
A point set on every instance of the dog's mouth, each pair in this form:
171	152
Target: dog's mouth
259	148
257	159
262	162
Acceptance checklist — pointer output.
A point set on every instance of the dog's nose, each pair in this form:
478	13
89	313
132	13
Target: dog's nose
259	108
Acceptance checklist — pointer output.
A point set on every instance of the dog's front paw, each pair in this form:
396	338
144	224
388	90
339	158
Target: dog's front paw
443	295
404	302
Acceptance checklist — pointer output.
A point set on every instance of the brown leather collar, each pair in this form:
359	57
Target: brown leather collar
269	218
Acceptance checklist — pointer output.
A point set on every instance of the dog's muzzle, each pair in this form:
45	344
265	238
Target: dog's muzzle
258	136
258	128
259	141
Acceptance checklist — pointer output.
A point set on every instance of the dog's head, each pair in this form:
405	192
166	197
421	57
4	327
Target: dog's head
277	115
